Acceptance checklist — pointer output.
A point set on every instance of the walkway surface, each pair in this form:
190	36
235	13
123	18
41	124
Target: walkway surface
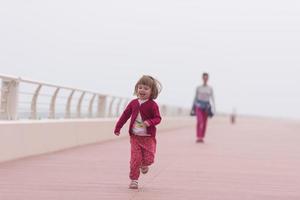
256	159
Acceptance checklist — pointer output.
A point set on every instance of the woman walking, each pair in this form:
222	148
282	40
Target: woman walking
202	107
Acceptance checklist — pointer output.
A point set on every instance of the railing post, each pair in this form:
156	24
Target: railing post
179	112
52	105
110	111
68	106
118	108
9	99
164	110
124	106
101	106
34	102
79	105
91	106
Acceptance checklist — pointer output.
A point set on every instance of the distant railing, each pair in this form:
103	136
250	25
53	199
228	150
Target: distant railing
28	99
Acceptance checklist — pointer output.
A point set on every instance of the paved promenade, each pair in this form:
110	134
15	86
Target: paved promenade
256	159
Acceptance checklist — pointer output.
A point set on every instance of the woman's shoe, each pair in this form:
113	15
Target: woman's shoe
200	140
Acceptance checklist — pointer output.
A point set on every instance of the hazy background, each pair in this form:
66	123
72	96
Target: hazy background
250	48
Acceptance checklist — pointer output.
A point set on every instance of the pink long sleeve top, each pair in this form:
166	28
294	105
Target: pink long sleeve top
149	112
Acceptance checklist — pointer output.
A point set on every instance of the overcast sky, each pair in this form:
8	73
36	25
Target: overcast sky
250	48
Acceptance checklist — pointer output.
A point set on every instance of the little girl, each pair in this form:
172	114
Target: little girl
144	113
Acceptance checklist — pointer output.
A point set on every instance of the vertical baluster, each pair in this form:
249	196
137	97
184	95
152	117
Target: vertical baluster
9	99
110	111
102	99
52	104
117	113
34	102
79	105
91	106
68	106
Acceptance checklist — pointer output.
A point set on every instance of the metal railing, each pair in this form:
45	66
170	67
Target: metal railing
28	99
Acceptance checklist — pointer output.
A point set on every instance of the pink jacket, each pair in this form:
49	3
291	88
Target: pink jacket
149	112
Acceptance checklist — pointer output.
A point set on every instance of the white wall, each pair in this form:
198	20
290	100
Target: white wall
20	139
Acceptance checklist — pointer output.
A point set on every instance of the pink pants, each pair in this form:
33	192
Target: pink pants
201	123
142	154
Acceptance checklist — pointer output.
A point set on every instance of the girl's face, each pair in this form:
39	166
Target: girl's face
143	92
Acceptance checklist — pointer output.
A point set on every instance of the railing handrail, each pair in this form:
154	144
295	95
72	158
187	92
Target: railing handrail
2	76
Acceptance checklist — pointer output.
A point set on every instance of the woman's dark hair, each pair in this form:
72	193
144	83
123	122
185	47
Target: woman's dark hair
205	74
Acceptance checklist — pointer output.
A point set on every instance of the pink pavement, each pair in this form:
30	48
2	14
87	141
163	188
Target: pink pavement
255	159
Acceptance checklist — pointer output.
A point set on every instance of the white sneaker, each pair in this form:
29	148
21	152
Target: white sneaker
133	184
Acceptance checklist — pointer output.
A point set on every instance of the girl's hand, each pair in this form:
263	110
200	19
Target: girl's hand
117	133
146	123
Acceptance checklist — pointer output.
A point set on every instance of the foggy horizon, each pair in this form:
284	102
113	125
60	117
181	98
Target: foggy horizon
250	49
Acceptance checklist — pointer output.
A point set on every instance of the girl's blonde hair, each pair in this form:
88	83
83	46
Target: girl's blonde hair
151	82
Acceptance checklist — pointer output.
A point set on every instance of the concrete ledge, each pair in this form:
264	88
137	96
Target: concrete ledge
20	139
